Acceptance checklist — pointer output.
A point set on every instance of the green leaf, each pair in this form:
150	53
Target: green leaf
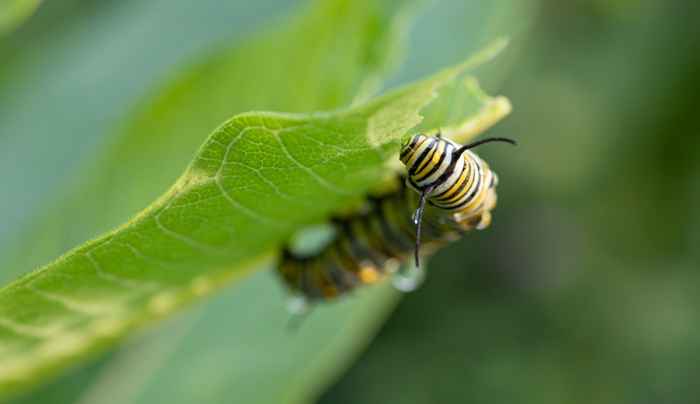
349	44
257	179
14	12
332	53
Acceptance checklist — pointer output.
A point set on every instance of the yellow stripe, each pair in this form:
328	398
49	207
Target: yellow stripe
478	198
473	172
413	155
427	160
463	191
409	147
454	187
470	172
430	163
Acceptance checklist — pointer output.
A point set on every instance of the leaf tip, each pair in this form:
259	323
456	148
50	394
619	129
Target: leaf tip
494	109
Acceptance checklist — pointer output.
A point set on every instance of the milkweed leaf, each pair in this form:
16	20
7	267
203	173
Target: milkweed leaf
256	180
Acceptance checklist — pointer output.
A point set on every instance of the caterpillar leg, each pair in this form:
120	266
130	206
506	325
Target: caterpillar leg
408	278
299	308
298	305
485	221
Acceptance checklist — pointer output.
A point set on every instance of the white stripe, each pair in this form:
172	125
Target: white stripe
425	145
449	149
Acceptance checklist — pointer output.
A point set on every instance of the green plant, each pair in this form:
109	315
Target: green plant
230	210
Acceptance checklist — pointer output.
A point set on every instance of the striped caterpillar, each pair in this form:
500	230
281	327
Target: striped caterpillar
460	191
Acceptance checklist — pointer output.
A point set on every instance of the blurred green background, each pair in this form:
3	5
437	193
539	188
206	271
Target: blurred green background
585	289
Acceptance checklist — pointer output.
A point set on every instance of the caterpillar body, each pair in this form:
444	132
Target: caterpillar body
459	188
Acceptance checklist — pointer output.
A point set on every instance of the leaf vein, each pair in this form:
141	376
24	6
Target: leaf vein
26	330
181	237
308	170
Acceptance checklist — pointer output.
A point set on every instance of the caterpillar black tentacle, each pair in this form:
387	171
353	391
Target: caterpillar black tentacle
454	193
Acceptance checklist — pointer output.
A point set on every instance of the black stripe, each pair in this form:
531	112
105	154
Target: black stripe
409	147
346	256
375	257
413	183
420	159
307	285
357	252
472	174
343	278
392	226
478	181
435	168
393	242
289	272
459	185
377	246
428	159
471	194
450	169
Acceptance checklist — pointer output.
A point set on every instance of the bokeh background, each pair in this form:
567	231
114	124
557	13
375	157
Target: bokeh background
584	290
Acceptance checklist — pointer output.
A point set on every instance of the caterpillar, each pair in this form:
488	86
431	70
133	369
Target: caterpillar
460	191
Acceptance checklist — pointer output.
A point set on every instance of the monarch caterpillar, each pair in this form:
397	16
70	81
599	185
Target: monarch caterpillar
369	244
